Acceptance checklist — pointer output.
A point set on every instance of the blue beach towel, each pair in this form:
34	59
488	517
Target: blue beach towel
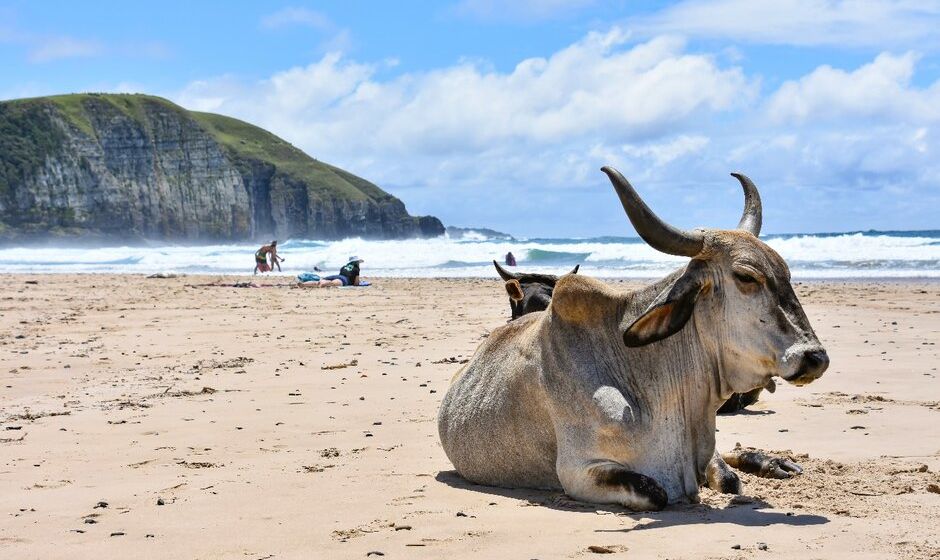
307	277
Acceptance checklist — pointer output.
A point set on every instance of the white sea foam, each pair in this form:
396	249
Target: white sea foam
915	254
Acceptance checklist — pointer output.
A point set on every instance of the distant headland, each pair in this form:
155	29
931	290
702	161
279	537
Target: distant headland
140	168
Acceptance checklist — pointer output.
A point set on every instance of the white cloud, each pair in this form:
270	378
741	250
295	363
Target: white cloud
840	23
42	48
519	10
919	140
298	95
595	88
332	37
297	16
667	152
676	122
57	48
881	89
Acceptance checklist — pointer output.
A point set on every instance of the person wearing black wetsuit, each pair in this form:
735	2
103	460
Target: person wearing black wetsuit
348	275
350	272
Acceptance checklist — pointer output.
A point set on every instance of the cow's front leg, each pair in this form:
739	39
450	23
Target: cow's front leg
758	463
609	482
720	477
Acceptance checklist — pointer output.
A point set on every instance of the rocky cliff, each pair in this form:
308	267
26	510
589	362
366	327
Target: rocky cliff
136	167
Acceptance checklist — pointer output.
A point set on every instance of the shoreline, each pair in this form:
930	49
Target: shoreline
858	257
292	276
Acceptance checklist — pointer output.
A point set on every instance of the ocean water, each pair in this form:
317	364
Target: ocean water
869	254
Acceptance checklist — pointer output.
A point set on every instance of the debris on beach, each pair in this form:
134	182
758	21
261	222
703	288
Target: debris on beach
607	549
341	365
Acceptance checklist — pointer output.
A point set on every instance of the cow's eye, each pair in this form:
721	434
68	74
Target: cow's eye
744	277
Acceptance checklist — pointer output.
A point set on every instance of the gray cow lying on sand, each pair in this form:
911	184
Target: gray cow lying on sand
611	396
529	292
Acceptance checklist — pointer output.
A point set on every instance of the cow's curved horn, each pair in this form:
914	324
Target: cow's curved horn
657	233
752	216
575	269
503	273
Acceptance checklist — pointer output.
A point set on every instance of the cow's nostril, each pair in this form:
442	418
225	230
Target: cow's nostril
815	362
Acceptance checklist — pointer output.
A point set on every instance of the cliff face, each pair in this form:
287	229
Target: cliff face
134	167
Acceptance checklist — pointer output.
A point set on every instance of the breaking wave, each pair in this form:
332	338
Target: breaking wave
842	255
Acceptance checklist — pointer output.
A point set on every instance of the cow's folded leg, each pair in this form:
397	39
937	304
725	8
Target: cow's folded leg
756	462
612	483
720	477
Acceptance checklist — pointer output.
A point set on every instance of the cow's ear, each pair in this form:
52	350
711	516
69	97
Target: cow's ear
514	289
670	311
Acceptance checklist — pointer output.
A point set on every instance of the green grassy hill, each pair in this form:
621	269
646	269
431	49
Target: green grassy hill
251	142
242	139
162	155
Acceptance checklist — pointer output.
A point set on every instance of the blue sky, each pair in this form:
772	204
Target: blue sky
499	114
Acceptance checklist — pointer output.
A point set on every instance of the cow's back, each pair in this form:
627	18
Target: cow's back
494	422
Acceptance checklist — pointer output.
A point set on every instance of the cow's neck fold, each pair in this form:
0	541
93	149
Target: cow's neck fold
674	384
686	370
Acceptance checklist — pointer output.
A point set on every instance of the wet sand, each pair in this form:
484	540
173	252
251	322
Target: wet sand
152	418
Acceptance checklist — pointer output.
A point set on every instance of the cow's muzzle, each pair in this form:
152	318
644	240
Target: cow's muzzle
813	363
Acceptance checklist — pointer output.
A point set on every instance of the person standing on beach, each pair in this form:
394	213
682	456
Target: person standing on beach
261	258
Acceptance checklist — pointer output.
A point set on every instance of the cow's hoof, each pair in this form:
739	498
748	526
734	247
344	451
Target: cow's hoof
757	463
636	491
726	482
721	478
648	488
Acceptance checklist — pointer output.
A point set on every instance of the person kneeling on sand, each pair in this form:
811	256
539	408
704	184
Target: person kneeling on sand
348	276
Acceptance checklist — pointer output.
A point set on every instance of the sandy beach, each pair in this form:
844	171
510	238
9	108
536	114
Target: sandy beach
163	418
